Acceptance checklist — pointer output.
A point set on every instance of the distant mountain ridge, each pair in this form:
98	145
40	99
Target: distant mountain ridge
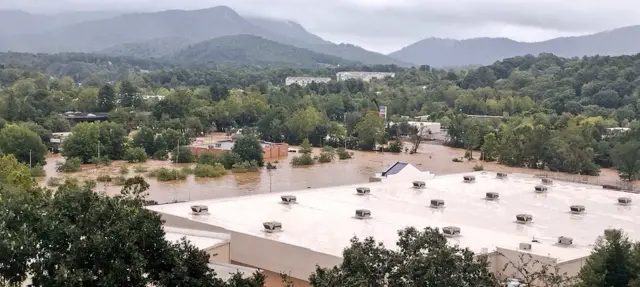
439	52
129	34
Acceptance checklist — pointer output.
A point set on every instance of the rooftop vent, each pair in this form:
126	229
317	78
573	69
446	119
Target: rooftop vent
501	175
524	246
469	178
437	203
577	209
419	184
288	199
562	240
610	231
541	189
363	213
451	231
272	226
492	196
363	190
547	181
200	209
524	218
624	200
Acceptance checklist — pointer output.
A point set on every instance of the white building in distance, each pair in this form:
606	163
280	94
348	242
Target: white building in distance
303	81
364	76
501	216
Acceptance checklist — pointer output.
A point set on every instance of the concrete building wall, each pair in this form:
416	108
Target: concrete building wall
221	253
278	257
273	151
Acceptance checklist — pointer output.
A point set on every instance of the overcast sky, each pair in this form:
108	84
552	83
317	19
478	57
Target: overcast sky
387	25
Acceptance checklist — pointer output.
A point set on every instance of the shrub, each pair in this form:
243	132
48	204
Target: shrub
327	154
343	153
91	184
168	174
124	170
72	164
209	158
209	170
478	167
271	166
136	154
100	160
458	159
140	169
182	155
246	166
119	180
53	181
305	147
187	170
104	178
395	146
160	155
38	171
304	159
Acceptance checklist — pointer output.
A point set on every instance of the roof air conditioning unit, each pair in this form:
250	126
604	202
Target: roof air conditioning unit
501	175
419	184
492	196
469	178
437	203
562	240
541	189
363	190
610	231
272	226
199	209
577	209
547	181
451	231
525	246
624	200
288	199
524	218
363	213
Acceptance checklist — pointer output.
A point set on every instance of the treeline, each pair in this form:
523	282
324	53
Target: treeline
89	239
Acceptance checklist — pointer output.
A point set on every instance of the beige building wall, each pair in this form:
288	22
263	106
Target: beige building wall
220	253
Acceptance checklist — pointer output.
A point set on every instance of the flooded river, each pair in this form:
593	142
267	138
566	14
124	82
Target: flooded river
431	157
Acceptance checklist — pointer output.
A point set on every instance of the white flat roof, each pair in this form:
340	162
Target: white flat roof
224	271
200	239
322	220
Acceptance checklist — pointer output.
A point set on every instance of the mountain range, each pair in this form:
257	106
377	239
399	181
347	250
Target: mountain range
220	35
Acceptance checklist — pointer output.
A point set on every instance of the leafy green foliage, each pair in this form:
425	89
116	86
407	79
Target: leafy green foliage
89	140
71	164
168	174
395	146
209	170
343	153
249	149
613	262
23	143
38	171
136	154
305	159
626	157
246	166
182	155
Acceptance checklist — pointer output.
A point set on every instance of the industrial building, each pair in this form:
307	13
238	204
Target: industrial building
363	76
303	81
270	150
499	215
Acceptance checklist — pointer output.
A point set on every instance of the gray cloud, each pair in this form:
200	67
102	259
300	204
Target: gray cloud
385	25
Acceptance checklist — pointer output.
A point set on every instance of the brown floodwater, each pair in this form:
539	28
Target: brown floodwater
431	157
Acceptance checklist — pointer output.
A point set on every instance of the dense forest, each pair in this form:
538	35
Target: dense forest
550	112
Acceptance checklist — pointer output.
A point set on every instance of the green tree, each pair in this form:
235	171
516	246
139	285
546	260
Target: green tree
182	155
136	154
145	138
106	98
249	149
369	130
24	144
423	258
490	147
626	157
304	122
306	147
129	95
14	173
613	262
112	137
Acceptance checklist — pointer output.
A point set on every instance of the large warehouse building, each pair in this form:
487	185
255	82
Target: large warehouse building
503	216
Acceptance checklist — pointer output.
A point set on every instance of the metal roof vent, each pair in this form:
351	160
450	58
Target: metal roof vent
501	175
610	231
525	246
524	218
288	199
562	240
363	213
451	231
469	178
437	203
363	190
547	181
199	209
419	184
492	196
541	189
272	226
577	209
624	200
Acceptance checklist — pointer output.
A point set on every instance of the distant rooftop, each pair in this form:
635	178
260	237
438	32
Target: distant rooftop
323	218
201	239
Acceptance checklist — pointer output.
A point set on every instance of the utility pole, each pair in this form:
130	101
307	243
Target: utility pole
29	158
99	151
269	172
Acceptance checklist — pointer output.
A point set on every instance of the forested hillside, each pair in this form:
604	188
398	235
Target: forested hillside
555	111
